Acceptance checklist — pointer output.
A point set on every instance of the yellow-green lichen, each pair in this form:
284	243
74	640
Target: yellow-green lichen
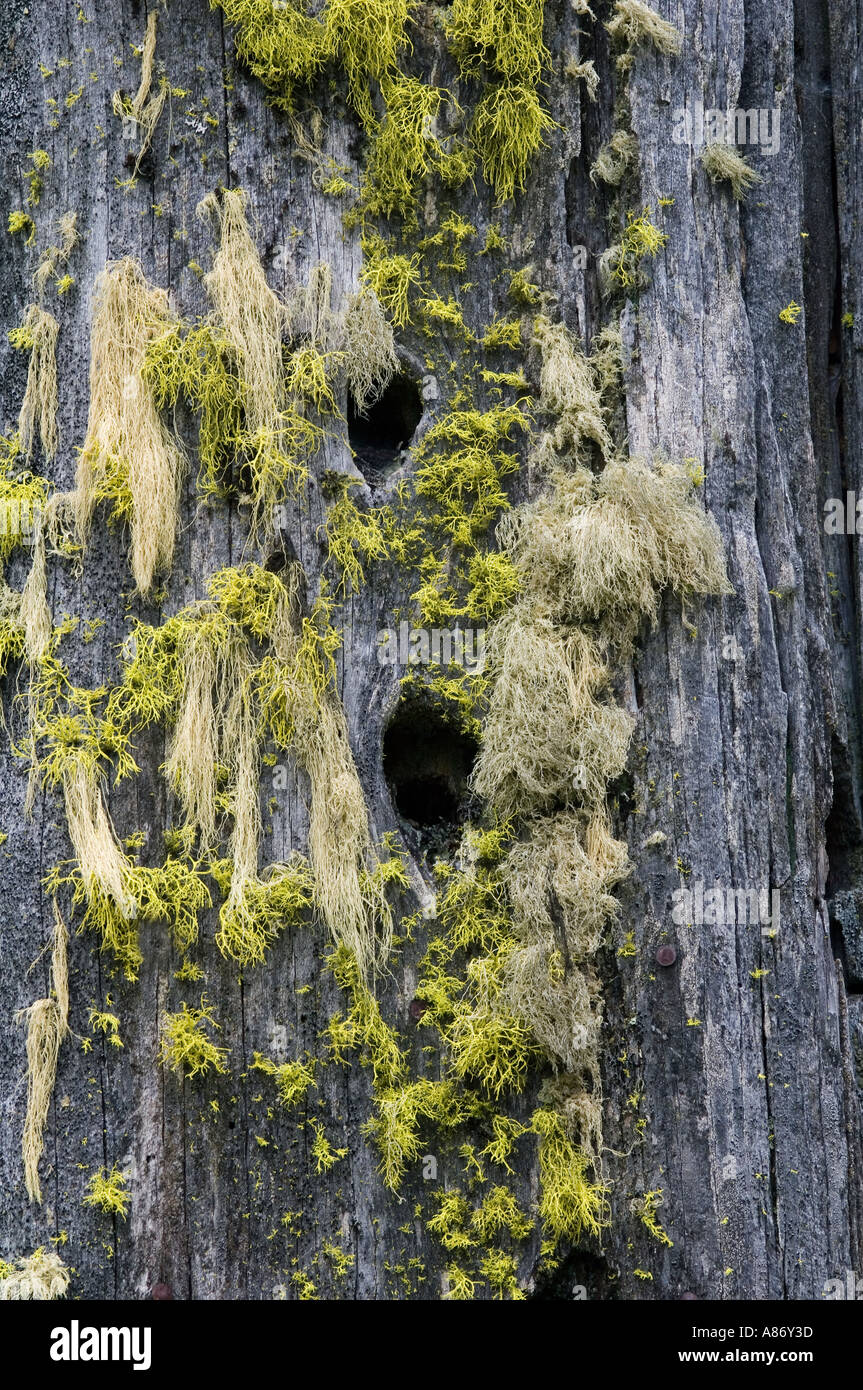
186	1045
292	1079
108	1192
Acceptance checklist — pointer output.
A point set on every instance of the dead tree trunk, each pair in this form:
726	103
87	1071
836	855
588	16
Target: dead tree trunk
730	1075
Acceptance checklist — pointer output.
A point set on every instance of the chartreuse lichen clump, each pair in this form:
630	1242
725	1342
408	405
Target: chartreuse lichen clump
571	1203
502	43
401	1106
440	525
172	894
392	276
463	460
645	1208
621	266
21	493
354	537
251	919
34	175
187	1046
292	1079
21	224
474	1235
108	1192
199	367
405	151
287	48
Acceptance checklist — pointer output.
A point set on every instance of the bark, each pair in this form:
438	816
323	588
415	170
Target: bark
747	749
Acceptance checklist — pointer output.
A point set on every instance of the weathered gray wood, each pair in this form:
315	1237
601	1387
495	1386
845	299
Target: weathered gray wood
740	751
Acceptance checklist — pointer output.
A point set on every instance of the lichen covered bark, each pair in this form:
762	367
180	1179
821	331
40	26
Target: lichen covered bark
317	1050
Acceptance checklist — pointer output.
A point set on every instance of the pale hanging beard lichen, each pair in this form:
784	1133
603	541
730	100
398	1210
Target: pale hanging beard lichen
250	313
302	709
615	158
38	417
560	884
722	163
128	458
102	863
586	73
371	360
571	391
602	548
637	25
34	614
47	1025
142	109
555	679
54	256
